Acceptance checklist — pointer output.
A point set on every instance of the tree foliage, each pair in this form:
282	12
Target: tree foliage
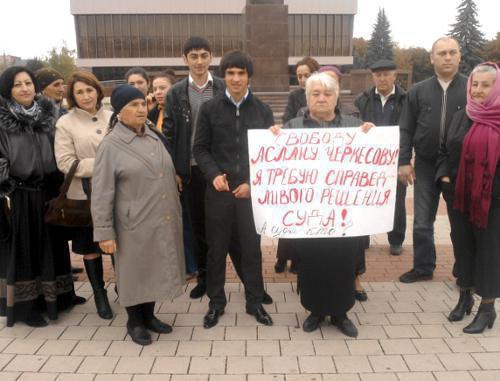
415	59
62	60
470	38
491	51
380	45
35	64
359	52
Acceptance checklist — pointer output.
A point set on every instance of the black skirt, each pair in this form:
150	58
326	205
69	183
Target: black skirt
35	268
327	273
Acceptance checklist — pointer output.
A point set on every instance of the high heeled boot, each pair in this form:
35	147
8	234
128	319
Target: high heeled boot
464	306
485	317
95	274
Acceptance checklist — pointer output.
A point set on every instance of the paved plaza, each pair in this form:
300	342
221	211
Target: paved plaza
403	335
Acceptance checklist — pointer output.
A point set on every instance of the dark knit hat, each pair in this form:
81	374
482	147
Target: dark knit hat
46	76
383	65
124	94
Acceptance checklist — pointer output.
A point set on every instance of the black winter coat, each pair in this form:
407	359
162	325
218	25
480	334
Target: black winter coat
426	114
366	103
27	145
296	100
221	142
177	124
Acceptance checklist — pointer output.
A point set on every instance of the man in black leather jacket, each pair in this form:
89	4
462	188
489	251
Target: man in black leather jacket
428	110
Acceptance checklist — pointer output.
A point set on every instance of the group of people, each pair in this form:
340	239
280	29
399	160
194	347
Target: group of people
167	173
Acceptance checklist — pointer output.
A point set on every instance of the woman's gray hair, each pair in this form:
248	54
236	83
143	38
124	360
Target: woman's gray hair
485	68
325	80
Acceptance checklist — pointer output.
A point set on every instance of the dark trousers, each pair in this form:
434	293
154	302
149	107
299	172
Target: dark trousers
193	204
425	205
230	218
476	250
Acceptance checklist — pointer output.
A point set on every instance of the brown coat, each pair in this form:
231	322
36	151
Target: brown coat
135	201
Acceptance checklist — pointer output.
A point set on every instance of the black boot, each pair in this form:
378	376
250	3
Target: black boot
151	322
464	306
95	274
485	317
135	325
113	263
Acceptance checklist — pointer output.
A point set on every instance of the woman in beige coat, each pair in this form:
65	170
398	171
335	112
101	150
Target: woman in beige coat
78	134
136	213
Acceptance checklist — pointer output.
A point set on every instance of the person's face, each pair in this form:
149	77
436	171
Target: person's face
481	86
321	102
55	90
446	57
303	72
23	89
134	113
198	61
139	82
85	97
236	81
161	86
384	80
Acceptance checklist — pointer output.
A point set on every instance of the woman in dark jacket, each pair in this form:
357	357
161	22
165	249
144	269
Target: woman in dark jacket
327	265
35	271
469	175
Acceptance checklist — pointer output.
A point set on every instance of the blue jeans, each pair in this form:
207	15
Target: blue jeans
425	205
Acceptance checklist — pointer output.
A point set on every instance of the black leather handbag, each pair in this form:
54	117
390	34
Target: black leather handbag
69	213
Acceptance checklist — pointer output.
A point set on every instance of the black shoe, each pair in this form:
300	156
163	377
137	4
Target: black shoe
261	315
294	268
267	299
35	320
95	274
312	323
76	270
361	295
139	335
485	317
199	290
156	325
280	265
396	249
79	300
212	318
464	306
414	276
346	326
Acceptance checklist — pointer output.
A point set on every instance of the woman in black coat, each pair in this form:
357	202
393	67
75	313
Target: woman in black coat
468	171
35	270
327	265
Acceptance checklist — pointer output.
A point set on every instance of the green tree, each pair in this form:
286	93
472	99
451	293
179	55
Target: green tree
359	52
491	50
380	45
62	60
470	38
35	64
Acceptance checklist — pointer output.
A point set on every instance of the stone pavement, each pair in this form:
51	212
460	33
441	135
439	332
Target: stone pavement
403	334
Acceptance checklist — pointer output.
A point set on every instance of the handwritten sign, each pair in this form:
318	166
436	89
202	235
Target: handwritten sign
324	182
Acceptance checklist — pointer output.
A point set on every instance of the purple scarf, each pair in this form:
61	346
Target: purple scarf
480	155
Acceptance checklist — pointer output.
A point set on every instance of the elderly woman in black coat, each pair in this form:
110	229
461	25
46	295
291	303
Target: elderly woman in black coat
327	265
35	271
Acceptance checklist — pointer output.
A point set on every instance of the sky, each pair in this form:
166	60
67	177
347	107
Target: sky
30	28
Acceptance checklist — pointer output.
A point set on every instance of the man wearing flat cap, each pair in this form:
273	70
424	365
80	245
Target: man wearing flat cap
51	84
382	105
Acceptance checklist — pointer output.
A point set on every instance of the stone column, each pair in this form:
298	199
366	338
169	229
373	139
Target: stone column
265	38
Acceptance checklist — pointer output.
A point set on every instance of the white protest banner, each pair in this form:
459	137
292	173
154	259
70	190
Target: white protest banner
323	182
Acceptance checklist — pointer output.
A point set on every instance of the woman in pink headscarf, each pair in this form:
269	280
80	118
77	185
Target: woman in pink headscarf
468	170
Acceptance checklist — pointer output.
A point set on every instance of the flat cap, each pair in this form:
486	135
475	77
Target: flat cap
383	65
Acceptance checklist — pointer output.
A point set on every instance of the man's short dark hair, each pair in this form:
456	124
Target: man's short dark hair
236	58
195	43
139	71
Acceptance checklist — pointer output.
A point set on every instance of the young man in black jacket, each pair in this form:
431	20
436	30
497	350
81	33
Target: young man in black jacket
428	110
382	106
182	107
221	151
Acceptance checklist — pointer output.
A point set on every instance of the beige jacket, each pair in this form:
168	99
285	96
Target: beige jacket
78	134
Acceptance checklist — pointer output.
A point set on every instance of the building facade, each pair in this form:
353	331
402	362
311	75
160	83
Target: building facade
114	35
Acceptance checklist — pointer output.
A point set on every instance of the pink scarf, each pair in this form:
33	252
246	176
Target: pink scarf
480	155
